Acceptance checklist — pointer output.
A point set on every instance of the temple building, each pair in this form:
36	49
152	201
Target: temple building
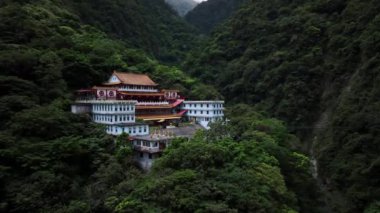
133	103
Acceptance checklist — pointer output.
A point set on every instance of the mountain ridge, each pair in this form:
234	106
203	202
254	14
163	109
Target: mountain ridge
208	14
182	7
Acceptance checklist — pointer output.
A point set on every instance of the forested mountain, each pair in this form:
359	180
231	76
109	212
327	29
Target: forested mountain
182	6
208	14
54	161
145	24
316	65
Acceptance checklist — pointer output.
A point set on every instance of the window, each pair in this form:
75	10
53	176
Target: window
201	105
150	156
141	155
140	129
207	105
207	112
201	112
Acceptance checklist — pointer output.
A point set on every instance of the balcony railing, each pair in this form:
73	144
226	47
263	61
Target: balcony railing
137	90
106	101
152	103
147	149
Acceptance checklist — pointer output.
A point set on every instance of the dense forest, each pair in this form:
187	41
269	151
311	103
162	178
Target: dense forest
300	78
315	65
50	48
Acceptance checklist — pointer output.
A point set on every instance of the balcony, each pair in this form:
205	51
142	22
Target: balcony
104	101
137	90
152	103
147	149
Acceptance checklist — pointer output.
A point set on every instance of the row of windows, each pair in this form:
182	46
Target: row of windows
207	119
138	87
114	118
206	105
145	143
113	107
129	130
201	112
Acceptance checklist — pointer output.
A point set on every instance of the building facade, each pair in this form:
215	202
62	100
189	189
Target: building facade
204	112
132	103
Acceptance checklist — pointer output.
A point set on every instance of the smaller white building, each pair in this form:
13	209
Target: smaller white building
204	112
117	115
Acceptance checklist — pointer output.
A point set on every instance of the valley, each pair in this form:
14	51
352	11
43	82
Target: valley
299	79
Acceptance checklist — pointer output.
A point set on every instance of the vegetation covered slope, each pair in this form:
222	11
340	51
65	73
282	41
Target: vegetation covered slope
149	25
54	161
207	15
182	6
50	159
46	51
243	167
308	61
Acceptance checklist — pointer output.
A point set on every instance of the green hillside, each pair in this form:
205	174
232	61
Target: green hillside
54	161
315	65
299	78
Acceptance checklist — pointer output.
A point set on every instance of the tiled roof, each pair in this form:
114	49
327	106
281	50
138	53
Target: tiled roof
134	79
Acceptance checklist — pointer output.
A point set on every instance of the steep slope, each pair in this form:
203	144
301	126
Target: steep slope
299	60
50	159
182	6
149	25
209	14
47	51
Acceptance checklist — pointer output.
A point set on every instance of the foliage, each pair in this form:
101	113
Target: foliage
315	65
48	48
52	160
48	155
216	171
